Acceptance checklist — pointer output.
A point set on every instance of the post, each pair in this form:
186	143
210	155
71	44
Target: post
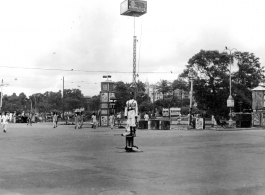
230	98
63	98
1	99
191	92
1	95
30	105
35	103
134	66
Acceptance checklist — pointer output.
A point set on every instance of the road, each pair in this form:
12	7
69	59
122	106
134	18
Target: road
39	159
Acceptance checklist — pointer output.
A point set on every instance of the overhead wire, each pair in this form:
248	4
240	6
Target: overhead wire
88	71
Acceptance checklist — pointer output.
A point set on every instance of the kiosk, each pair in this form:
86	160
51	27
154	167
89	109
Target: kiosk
107	102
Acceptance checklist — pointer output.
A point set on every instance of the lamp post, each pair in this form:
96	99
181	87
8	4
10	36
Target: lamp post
230	100
191	76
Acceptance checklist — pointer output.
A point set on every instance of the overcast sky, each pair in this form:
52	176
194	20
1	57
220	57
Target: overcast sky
93	36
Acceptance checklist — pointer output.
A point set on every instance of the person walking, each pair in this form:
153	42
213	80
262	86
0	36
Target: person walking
81	120
119	119
213	121
4	120
14	117
111	120
29	119
77	119
55	119
94	120
1	118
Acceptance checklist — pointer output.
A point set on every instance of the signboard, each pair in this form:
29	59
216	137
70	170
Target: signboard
104	97
199	123
111	86
104	105
256	119
104	120
165	112
230	103
104	87
257	100
104	112
111	96
174	111
134	8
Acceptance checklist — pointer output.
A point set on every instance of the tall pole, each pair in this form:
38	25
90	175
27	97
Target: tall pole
35	103
63	98
230	98
1	95
1	99
191	92
230	95
134	60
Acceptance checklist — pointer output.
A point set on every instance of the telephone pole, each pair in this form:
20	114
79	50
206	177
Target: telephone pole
1	99
63	98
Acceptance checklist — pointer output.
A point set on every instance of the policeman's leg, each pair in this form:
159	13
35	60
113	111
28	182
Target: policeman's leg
134	131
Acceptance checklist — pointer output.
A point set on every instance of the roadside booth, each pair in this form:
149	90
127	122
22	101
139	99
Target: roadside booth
258	106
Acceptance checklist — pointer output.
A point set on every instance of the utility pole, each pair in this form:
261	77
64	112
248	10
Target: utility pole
63	98
1	99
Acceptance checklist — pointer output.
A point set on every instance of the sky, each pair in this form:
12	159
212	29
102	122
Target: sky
44	41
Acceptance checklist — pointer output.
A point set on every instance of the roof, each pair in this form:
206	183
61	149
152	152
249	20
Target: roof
259	88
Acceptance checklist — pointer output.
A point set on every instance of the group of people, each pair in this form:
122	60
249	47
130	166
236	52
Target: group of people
79	120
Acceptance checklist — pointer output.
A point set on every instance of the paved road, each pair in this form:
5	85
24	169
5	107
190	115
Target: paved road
41	160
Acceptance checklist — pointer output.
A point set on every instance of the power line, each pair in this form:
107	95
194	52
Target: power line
88	71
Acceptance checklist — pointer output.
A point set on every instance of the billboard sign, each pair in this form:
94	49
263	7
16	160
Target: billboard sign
134	8
174	111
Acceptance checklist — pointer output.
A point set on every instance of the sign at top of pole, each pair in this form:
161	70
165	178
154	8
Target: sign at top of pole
133	8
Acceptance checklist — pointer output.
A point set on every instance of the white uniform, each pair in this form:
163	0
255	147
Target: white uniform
131	111
5	119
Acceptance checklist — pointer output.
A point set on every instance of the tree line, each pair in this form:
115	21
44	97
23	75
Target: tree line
44	102
211	89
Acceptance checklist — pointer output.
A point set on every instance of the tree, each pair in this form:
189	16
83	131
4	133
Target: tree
145	106
211	84
163	87
94	103
122	92
249	75
181	85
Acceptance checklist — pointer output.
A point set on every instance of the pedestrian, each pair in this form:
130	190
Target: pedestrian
119	119
10	117
4	120
81	120
146	118
66	118
29	119
1	118
77	119
94	120
213	121
111	120
55	119
14	117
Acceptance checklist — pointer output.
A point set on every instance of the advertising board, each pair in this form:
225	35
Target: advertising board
174	112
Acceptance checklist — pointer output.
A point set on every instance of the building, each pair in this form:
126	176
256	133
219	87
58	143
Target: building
154	95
